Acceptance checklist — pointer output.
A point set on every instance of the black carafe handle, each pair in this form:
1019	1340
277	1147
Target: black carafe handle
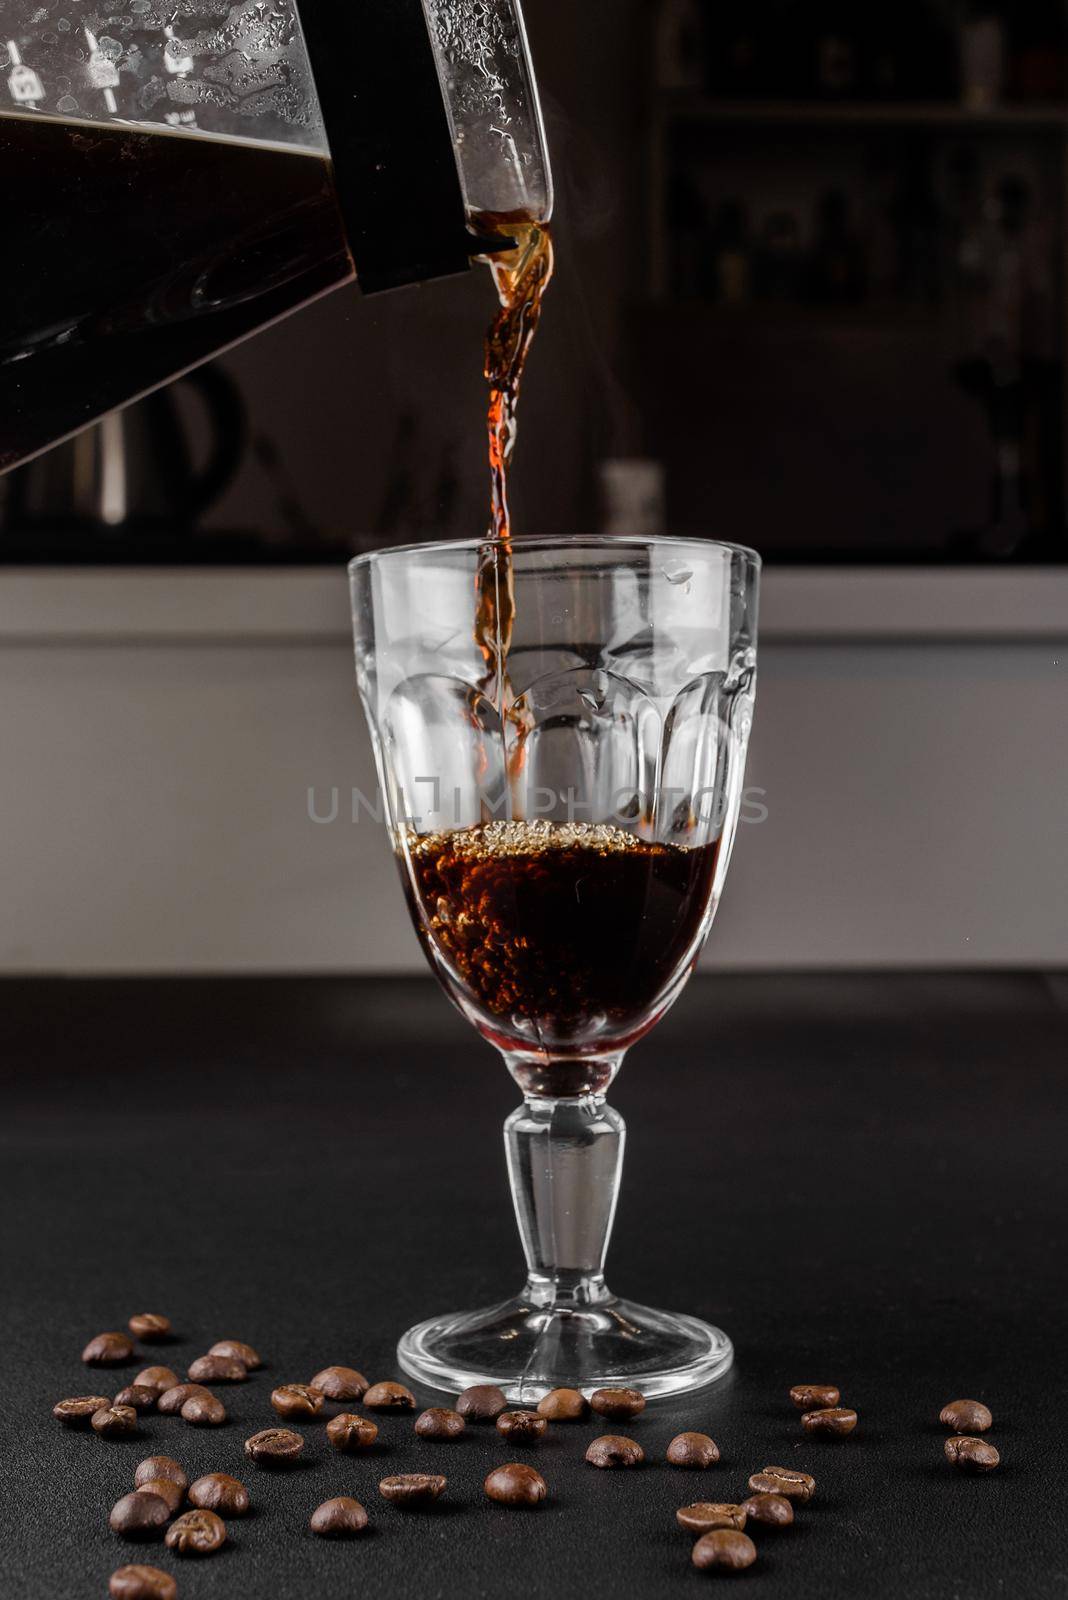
228	427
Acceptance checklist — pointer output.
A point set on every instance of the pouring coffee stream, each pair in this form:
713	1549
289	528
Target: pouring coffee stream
522	275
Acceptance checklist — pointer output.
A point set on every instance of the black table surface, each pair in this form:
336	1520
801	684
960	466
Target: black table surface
863	1179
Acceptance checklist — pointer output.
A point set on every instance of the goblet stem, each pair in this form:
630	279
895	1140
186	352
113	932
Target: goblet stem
564	1162
565	1157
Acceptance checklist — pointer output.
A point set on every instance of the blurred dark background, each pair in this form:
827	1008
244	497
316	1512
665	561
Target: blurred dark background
810	296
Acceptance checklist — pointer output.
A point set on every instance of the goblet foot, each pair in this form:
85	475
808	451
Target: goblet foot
529	1349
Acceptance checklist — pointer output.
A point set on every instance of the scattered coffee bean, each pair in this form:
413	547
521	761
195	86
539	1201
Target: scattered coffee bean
338	1519
160	1467
692	1450
204	1411
138	1395
139	1515
726	1548
296	1400
516	1485
618	1404
439	1423
770	1510
563	1405
350	1433
158	1378
412	1488
196	1533
171	1401
521	1427
237	1350
217	1369
966	1416
108	1350
274	1446
217	1491
836	1421
788	1481
613	1450
973	1455
166	1489
483	1402
77	1412
814	1396
149	1327
340	1383
114	1422
389	1397
705	1516
141	1583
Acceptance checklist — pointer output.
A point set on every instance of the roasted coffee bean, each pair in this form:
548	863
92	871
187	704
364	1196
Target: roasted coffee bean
412	1488
836	1421
108	1350
439	1423
204	1411
149	1327
237	1350
973	1455
78	1411
137	1395
692	1450
166	1489
563	1405
966	1416
784	1480
141	1583
814	1396
114	1422
516	1485
705	1516
296	1400
139	1515
160	1467
196	1533
274	1446
521	1427
349	1432
158	1378
172	1400
770	1510
338	1519
613	1450
483	1402
389	1397
340	1383
217	1491
217	1369
726	1548
618	1404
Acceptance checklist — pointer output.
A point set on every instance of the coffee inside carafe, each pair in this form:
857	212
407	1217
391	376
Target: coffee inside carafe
131	255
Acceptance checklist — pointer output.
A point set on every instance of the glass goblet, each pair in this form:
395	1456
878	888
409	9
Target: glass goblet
562	793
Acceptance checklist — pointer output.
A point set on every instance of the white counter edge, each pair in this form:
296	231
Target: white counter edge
309	605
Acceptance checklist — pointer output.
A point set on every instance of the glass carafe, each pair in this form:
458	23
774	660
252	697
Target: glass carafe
176	177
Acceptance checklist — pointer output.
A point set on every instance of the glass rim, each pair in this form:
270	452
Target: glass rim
606	541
